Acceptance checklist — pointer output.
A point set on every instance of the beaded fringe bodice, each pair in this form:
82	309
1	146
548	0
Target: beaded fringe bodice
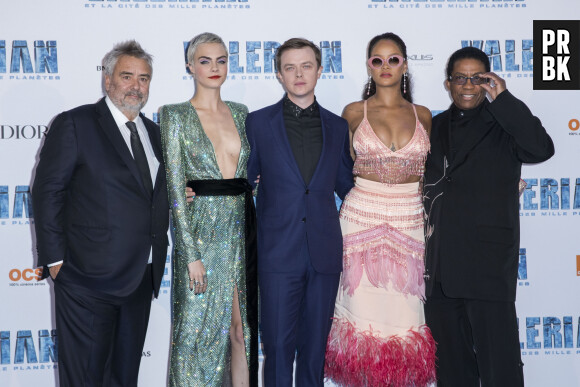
392	167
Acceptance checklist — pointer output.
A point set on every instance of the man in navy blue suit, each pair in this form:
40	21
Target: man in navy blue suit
101	219
300	151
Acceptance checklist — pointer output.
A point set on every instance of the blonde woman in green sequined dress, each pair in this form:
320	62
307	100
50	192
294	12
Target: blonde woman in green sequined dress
204	143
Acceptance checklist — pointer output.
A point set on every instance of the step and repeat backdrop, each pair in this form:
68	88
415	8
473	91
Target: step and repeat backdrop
50	61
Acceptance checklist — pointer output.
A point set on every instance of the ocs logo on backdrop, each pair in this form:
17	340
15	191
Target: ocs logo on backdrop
36	60
574	125
25	277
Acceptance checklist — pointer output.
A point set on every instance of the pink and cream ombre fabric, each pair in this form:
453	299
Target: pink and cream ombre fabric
378	336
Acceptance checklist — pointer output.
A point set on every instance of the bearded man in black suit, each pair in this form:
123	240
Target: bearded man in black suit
101	219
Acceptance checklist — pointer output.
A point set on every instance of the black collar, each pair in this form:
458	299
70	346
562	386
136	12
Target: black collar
458	114
290	108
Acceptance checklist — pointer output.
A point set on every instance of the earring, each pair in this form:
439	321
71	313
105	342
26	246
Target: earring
369	85
405	83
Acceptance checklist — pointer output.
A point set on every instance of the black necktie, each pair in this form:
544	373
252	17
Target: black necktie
139	156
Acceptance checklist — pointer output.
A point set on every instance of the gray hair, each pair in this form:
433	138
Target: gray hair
205	37
128	48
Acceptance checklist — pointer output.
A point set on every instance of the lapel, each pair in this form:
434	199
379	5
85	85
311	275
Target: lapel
478	128
326	130
153	137
281	138
156	145
444	132
109	126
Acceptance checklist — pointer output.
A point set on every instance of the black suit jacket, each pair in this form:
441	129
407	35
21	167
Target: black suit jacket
471	204
91	208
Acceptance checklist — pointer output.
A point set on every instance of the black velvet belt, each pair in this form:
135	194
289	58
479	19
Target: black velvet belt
234	187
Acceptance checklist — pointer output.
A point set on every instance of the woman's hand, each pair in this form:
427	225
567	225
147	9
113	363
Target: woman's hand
257	181
189	194
197	277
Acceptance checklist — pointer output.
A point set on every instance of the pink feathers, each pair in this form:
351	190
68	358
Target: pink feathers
362	358
387	255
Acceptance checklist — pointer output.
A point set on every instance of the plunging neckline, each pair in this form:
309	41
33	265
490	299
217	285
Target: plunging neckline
214	156
377	137
385	145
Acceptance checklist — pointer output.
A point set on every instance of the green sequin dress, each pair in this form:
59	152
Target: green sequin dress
211	228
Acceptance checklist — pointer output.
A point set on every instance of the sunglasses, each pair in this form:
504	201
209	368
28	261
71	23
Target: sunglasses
462	80
393	61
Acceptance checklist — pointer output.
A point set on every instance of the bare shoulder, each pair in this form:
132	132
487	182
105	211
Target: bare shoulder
353	113
424	115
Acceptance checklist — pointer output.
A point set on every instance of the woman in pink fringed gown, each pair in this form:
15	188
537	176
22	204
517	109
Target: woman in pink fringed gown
379	336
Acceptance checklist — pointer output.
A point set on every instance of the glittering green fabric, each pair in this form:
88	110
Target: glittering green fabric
211	228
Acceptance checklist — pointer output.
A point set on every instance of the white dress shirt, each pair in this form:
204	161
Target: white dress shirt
121	120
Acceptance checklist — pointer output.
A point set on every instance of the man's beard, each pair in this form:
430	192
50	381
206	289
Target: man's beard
127	107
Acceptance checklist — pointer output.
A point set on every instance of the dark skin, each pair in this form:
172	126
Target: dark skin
468	96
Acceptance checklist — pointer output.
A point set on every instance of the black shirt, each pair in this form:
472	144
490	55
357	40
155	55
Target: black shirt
459	124
304	131
458	133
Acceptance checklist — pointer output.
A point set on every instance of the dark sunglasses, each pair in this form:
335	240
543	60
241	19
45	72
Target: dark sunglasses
393	61
462	80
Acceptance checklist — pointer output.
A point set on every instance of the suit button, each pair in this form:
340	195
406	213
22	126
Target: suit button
153	236
307	192
303	220
448	178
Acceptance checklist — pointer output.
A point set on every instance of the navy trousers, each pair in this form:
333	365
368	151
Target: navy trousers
296	316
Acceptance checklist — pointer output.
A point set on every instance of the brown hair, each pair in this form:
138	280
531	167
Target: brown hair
297	43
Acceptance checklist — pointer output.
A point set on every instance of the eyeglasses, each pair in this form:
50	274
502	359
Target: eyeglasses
462	80
394	61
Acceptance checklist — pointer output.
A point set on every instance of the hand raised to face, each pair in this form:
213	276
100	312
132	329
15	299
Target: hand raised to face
495	86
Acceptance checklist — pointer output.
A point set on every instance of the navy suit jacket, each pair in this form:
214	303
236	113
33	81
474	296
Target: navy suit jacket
291	212
91	208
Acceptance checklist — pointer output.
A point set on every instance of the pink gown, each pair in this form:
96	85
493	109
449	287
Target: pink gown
379	336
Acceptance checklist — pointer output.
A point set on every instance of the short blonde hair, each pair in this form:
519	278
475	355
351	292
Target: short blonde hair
205	37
